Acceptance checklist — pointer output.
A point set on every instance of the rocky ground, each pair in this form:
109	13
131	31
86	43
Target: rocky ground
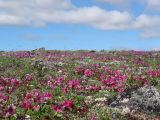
69	85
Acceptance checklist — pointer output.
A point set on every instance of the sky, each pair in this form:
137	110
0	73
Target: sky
80	24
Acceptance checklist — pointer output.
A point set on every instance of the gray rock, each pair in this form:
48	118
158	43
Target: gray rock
146	98
42	64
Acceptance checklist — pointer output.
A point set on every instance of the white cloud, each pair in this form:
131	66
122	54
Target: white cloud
151	4
154	4
19	12
114	2
41	12
149	34
6	19
93	16
149	25
146	21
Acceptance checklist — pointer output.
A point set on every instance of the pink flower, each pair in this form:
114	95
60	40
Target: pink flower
55	82
15	81
36	107
92	116
26	104
79	70
67	104
120	90
145	82
92	87
29	96
39	99
1	88
47	96
28	77
3	97
76	84
57	108
88	73
65	89
10	111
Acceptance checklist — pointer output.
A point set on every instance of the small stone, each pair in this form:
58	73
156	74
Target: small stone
113	104
27	117
125	100
125	110
89	100
101	99
99	104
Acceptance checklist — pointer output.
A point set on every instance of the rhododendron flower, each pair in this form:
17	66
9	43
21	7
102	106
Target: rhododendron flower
57	108
1	88
67	104
102	76
120	90
47	96
65	89
39	99
76	84
36	107
35	96
36	92
124	77
10	111
154	73
92	116
3	97
15	81
116	72
79	70
92	87
88	73
55	82
106	68
59	80
29	96
145	82
28	77
26	104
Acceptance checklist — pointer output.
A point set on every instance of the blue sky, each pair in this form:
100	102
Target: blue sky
79	24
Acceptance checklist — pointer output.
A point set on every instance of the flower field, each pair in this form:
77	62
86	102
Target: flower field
79	85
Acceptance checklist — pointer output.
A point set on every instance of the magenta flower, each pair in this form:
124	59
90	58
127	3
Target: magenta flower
92	87
29	96
39	99
1	88
15	81
76	84
36	107
55	82
65	89
92	116
56	108
67	104
47	96
28	77
145	82
79	70
27	104
10	111
120	90
3	97
88	73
